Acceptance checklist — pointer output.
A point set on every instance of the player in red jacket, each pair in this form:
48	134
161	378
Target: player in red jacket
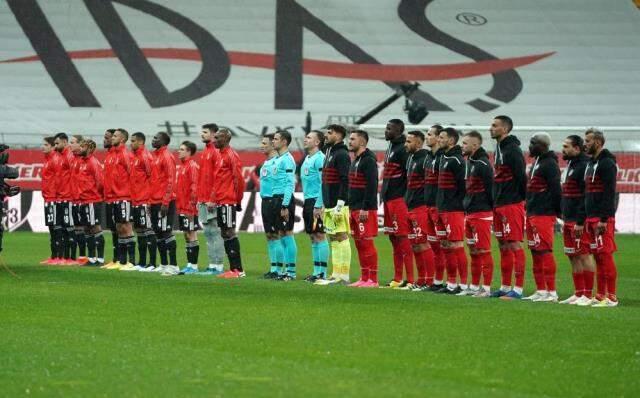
209	159
228	188
117	172
89	179
80	237
64	197
163	204
107	195
186	203
50	169
141	176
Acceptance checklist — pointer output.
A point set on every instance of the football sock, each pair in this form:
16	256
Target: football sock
314	257
519	268
335	258
193	249
452	266
587	276
114	244
91	245
81	238
463	265
71	244
429	264
601	289
162	248
131	249
122	250
578	283
371	258
142	248
290	250
476	268
506	267
362	258
407	258
440	262
323	256
100	244
421	278
152	246
271	248
171	248
487	269
398	260
232	248
279	250
52	242
611	275
538	270
344	248
550	268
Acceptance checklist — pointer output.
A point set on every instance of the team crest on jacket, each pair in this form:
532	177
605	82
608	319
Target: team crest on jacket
306	171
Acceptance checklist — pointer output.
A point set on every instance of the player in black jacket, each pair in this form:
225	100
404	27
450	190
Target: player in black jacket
335	187
396	214
478	208
600	205
451	191
576	246
543	207
509	191
432	165
363	204
418	213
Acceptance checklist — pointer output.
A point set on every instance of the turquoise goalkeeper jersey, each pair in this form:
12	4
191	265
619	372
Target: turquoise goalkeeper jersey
311	177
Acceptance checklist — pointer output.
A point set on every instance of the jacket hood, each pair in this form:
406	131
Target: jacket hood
339	145
549	154
605	154
509	141
479	154
456	150
399	140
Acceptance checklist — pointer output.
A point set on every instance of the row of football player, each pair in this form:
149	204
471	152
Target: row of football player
437	197
140	190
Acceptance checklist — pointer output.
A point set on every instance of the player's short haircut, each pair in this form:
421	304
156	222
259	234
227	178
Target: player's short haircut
139	136
165	138
338	128
210	126
576	140
111	130
78	137
285	135
474	134
362	134
50	140
417	133
543	137
190	146
452	133
398	123
90	144
61	136
597	134
269	136
226	133
319	135
438	128
505	120
124	132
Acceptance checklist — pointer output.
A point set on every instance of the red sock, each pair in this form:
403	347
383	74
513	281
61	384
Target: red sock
487	268
476	268
397	258
601	289
588	283
550	268
407	259
362	257
538	269
506	266
579	283
519	267
440	261
421	278
452	265
611	274
430	266
371	259
463	264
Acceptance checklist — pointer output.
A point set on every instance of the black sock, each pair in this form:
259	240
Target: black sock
192	252
58	234
232	248
152	245
142	248
70	246
171	249
122	250
162	248
131	249
81	238
114	242
196	252
52	242
91	245
100	244
322	267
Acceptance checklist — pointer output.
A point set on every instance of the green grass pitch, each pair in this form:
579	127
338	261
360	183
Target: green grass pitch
71	331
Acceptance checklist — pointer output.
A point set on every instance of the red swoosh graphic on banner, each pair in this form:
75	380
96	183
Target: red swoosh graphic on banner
343	70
